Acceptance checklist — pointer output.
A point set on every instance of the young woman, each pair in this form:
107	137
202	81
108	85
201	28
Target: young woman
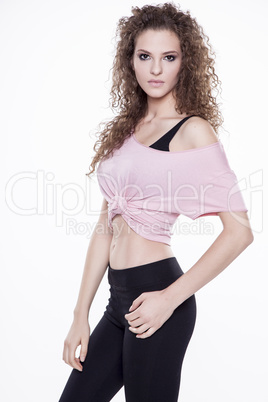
159	157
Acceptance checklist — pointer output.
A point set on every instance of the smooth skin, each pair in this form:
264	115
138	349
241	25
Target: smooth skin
157	56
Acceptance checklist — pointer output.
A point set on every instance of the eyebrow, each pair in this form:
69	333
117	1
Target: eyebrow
146	51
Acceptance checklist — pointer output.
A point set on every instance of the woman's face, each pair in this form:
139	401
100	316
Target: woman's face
157	57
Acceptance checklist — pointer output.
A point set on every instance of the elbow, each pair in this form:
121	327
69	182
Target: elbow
238	228
245	238
240	237
249	238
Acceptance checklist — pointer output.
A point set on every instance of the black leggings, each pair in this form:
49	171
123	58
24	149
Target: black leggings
149	368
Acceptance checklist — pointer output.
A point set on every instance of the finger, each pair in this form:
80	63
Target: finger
146	334
83	351
134	310
132	316
75	363
140	329
136	323
72	360
78	364
65	352
68	352
137	302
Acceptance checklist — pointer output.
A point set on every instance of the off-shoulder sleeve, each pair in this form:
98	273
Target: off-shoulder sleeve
212	185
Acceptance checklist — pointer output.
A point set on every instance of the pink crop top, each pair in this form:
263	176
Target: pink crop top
150	188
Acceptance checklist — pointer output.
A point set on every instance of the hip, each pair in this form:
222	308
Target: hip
127	284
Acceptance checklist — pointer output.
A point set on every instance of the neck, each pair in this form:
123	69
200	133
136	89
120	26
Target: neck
161	108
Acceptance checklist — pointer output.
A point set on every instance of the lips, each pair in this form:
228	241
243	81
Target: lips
156	83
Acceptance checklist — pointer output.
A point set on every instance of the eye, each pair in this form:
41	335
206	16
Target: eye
173	57
143	56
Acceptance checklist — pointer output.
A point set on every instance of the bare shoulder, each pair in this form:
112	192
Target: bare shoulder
198	132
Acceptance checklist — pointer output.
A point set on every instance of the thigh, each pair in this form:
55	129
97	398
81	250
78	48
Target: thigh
152	366
102	375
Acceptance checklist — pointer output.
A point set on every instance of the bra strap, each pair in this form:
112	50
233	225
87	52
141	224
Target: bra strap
163	142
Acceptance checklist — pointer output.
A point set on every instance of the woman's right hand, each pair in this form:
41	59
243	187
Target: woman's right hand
78	335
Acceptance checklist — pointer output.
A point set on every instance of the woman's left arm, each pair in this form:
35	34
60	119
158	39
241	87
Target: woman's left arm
150	310
235	237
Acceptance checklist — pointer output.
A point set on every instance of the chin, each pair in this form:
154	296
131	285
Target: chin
157	95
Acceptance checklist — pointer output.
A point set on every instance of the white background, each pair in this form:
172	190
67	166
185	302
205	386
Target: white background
55	77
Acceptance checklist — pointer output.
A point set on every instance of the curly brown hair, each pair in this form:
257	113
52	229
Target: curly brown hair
196	83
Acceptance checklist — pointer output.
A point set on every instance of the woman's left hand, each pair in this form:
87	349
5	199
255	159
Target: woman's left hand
148	313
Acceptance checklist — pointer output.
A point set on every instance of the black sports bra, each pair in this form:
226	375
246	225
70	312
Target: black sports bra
163	143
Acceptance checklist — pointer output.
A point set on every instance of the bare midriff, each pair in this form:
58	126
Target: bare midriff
128	249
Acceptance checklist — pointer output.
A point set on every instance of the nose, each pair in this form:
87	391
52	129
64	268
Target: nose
156	67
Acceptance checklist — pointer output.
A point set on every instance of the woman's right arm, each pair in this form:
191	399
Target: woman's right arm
96	263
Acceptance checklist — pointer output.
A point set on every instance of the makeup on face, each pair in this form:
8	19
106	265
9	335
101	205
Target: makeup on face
157	61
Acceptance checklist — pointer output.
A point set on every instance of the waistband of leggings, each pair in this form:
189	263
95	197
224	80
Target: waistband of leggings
165	270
